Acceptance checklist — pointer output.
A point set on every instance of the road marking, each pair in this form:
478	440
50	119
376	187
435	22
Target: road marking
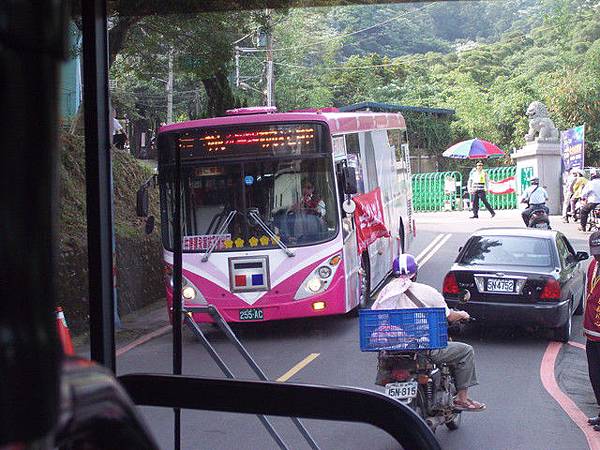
551	386
431	244
297	368
577	344
439	245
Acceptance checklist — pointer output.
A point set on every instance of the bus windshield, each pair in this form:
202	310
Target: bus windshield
245	205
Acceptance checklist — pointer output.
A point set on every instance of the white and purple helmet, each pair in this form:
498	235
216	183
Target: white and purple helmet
405	265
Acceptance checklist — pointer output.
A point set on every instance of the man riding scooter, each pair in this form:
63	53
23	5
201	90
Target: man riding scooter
401	293
535	197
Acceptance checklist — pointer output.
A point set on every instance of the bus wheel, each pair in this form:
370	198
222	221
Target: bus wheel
365	282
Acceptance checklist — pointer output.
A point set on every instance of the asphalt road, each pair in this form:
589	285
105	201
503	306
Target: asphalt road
521	414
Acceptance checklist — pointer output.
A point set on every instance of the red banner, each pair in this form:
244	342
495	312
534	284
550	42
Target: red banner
506	186
369	220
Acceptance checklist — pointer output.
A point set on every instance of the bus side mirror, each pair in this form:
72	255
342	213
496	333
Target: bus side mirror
141	204
349	180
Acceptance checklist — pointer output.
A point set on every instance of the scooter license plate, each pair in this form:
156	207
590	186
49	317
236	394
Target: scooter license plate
402	391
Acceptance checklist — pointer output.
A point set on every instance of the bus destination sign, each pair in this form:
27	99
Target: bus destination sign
259	140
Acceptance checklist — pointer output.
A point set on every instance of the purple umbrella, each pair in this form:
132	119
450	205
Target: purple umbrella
473	149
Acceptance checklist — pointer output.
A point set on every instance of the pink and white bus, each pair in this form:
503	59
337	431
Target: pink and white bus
264	233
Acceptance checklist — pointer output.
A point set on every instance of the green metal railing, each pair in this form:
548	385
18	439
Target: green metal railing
502	201
436	191
439	191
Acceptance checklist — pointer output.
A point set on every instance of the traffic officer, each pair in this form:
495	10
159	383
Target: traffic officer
477	186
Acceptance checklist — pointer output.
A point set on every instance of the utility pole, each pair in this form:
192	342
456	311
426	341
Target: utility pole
170	89
270	78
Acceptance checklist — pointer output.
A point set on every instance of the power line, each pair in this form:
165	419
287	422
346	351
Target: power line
341	36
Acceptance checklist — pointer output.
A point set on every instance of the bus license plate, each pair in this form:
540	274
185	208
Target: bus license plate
402	391
252	314
500	285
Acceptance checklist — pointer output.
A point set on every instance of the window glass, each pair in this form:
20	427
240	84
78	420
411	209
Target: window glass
508	250
355	160
366	143
565	251
250	205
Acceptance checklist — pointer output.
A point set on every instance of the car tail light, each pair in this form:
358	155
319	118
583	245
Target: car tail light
400	374
450	285
551	290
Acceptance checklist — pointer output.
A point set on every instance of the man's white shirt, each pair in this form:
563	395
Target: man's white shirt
535	195
591	191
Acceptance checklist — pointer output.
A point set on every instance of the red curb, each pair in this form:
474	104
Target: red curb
142	340
577	344
551	386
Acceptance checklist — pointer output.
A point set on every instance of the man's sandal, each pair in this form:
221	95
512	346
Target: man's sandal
469	405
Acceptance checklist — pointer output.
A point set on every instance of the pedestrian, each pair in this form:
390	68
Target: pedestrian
568	194
591	195
466	198
591	322
478	185
119	136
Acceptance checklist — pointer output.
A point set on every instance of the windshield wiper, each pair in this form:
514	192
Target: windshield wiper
222	228
253	212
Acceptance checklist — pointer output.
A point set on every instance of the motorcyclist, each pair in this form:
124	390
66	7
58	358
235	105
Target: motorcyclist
591	194
535	197
459	356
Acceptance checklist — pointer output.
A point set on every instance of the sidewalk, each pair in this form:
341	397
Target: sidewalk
150	319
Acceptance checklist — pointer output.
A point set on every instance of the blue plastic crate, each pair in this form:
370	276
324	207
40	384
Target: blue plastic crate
403	329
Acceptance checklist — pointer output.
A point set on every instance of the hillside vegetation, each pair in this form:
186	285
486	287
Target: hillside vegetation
138	256
549	52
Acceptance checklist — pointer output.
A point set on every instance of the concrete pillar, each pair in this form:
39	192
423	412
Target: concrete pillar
545	159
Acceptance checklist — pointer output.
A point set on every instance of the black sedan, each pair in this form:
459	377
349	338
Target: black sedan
519	276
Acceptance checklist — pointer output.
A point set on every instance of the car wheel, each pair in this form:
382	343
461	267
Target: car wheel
563	333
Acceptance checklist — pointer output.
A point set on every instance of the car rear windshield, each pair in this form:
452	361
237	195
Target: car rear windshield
507	250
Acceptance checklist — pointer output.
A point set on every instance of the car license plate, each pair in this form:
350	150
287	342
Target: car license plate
252	314
402	391
499	285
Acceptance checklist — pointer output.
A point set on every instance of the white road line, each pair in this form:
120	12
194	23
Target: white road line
435	249
431	244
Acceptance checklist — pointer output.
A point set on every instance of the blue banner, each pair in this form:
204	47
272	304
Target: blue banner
572	147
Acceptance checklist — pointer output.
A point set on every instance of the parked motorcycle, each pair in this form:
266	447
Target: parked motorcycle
424	386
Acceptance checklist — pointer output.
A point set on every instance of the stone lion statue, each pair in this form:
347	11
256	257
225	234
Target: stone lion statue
540	124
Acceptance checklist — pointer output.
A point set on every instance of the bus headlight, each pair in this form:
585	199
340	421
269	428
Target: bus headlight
189	293
324	272
314	284
319	279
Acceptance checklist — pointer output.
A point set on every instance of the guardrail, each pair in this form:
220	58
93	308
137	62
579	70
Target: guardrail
435	191
444	191
502	201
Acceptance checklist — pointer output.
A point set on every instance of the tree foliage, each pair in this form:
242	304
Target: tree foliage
486	60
